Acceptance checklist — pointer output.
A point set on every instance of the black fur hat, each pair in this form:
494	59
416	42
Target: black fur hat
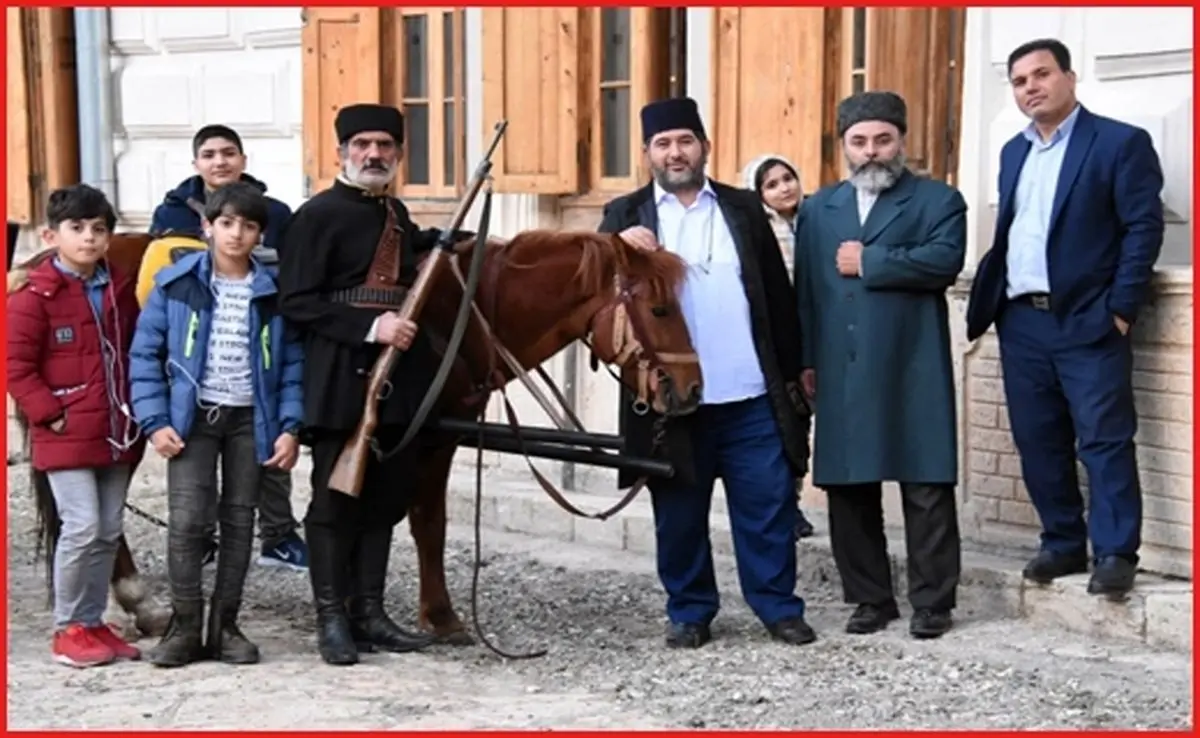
885	106
354	119
671	114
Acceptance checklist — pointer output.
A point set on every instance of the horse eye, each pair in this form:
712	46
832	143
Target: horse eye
659	311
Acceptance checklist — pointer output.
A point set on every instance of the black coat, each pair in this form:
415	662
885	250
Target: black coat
774	323
329	245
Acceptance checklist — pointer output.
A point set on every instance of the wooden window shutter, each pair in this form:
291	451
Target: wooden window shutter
916	53
18	163
768	89
531	73
341	66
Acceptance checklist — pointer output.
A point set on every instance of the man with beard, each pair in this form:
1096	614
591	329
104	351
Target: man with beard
874	256
219	159
751	429
1078	230
346	251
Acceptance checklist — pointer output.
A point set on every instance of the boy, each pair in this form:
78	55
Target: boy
69	330
215	374
219	159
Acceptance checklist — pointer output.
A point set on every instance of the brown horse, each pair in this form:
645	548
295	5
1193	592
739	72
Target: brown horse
128	591
541	291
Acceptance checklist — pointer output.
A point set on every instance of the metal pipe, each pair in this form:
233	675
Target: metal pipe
558	452
93	70
550	435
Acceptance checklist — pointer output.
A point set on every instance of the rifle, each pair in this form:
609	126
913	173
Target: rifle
351	466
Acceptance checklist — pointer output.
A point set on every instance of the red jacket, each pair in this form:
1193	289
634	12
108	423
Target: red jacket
56	368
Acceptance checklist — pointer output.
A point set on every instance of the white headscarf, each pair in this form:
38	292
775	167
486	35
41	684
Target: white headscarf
781	225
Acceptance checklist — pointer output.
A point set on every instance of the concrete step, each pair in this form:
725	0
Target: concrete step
1158	612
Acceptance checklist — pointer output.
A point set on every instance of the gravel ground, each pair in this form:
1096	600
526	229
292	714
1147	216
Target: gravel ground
599	613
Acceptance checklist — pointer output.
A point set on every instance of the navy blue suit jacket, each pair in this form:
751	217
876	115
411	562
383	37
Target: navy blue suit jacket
1106	230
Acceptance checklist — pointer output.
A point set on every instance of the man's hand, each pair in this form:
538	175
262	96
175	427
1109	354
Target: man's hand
640	238
166	442
849	258
287	451
808	380
1122	326
396	331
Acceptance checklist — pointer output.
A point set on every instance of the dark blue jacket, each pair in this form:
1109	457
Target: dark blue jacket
166	360
173	214
1106	230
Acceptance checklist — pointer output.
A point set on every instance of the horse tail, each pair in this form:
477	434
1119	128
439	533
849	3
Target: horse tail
49	525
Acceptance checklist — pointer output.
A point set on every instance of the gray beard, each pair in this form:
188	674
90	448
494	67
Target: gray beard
876	176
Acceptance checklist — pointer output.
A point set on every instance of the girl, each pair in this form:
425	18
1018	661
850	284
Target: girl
777	183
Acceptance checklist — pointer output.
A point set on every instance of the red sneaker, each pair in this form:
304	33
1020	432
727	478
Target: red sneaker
77	646
121	650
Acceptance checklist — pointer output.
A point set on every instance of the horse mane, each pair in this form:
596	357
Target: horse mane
603	255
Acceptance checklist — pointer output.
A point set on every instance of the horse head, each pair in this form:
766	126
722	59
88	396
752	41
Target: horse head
552	287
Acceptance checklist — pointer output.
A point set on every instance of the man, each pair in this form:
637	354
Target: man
336	241
874	256
752	426
1079	227
218	158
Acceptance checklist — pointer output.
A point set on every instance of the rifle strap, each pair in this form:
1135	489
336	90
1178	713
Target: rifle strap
461	320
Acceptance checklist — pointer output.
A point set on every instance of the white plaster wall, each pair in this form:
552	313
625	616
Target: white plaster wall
1132	64
177	69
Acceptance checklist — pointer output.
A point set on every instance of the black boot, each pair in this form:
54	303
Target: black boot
369	622
224	640
327	557
183	642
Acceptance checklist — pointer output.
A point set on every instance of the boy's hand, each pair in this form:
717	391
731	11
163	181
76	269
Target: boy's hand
166	442
287	451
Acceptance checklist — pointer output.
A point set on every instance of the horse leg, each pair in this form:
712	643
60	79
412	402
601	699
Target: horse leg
130	592
427	521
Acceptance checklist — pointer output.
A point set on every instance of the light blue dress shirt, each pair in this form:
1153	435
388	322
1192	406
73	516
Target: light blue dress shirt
1029	233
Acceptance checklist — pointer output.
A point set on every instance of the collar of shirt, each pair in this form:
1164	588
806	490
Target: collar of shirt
661	195
1061	133
99	277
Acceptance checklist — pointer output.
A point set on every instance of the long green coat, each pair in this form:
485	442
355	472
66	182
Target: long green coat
880	344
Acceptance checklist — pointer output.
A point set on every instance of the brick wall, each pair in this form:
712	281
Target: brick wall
995	500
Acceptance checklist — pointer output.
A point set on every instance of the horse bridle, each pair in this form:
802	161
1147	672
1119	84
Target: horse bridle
617	335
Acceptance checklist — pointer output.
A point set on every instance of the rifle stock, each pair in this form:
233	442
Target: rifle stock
351	465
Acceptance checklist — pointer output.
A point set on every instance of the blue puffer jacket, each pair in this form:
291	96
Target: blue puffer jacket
169	350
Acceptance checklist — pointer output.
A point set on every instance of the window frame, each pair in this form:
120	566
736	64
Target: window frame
649	80
435	99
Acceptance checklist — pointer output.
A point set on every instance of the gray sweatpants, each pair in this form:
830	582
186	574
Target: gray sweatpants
89	503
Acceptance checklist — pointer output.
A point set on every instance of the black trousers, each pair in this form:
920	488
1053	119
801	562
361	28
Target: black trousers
387	490
931	537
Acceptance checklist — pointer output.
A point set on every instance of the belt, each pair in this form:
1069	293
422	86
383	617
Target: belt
1035	300
381	297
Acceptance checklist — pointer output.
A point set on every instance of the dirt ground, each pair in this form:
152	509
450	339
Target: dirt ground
600	615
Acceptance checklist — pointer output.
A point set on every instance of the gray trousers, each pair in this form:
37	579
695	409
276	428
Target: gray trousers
275	520
90	504
227	435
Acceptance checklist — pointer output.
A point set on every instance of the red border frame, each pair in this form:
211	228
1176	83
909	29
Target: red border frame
709	3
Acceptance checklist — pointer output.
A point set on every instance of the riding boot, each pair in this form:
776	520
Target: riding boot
225	641
327	558
369	622
183	642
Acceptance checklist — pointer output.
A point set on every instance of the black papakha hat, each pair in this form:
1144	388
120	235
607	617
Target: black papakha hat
355	119
885	106
669	115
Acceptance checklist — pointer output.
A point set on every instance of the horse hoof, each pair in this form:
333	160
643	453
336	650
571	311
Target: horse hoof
153	623
454	638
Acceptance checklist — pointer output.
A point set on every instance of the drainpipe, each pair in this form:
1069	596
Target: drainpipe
93	81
